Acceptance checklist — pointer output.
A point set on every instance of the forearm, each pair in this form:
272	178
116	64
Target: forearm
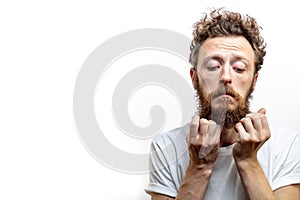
254	180
195	183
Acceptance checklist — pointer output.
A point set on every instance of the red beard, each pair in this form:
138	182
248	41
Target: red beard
220	111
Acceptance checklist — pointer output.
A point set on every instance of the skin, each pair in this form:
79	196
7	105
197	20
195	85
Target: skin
228	60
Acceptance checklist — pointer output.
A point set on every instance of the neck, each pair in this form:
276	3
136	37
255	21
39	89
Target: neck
228	137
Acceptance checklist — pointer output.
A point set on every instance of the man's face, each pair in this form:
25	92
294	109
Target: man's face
225	79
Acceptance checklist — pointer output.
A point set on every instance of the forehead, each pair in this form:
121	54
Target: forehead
227	46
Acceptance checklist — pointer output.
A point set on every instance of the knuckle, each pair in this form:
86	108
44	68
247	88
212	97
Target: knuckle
238	125
245	120
204	121
242	121
248	119
250	115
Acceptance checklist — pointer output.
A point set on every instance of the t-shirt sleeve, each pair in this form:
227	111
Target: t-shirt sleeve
160	178
287	162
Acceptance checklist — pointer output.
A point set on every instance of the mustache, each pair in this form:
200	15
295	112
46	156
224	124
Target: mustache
225	89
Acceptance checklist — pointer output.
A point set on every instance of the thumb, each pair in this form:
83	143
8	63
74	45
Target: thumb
262	111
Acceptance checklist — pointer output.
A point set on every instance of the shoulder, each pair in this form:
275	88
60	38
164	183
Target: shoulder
173	136
281	137
281	142
171	145
281	158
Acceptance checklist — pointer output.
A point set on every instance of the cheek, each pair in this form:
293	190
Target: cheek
243	87
210	84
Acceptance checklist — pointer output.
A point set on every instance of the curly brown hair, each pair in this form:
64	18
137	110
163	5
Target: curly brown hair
225	23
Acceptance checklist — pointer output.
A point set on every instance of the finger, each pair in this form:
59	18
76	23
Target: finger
242	134
194	127
265	127
264	122
206	137
262	117
212	139
262	111
256	120
214	132
211	129
204	123
200	135
248	125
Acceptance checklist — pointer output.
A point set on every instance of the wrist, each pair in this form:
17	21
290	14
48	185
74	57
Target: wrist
200	170
244	162
249	166
244	157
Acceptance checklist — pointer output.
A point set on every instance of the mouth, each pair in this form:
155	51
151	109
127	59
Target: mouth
224	95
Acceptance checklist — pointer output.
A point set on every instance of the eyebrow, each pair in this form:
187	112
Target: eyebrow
213	57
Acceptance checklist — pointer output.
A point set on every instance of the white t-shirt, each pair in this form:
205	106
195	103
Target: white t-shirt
279	158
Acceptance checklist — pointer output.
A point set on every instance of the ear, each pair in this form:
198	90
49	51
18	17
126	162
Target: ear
254	80
194	77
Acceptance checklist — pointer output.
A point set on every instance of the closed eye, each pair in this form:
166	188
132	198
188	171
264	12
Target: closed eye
213	68
239	66
239	70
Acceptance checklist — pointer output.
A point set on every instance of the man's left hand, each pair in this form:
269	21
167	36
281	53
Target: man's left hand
253	131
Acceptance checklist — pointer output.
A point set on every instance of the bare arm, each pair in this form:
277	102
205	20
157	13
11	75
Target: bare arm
291	192
195	182
253	132
258	187
254	181
193	186
203	141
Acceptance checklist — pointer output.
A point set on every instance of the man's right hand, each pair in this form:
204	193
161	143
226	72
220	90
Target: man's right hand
203	141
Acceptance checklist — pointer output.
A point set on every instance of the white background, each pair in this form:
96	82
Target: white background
42	48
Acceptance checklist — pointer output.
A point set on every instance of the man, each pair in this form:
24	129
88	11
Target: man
229	152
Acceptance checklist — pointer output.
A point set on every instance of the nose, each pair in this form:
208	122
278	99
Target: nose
225	76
